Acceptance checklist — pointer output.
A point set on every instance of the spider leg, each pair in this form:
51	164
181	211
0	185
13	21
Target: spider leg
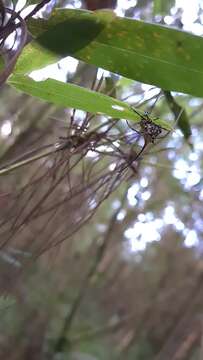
132	128
163	136
141	151
137	112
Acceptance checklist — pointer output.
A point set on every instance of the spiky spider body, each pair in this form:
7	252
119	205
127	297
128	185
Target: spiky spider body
148	129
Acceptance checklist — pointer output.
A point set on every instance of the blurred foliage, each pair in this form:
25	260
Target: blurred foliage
162	7
124	46
5	302
179	114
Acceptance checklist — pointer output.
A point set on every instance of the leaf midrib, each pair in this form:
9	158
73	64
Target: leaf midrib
148	57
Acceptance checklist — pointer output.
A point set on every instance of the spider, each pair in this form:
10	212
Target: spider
148	129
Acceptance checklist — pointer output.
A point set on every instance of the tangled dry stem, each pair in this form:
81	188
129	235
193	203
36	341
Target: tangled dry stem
64	190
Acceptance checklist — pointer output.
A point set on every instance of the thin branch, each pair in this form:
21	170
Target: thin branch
37	8
10	28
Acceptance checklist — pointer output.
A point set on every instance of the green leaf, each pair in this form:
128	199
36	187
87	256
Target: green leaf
32	2
150	53
180	114
35	56
70	95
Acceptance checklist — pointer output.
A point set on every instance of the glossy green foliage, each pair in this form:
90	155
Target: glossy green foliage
70	95
153	54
